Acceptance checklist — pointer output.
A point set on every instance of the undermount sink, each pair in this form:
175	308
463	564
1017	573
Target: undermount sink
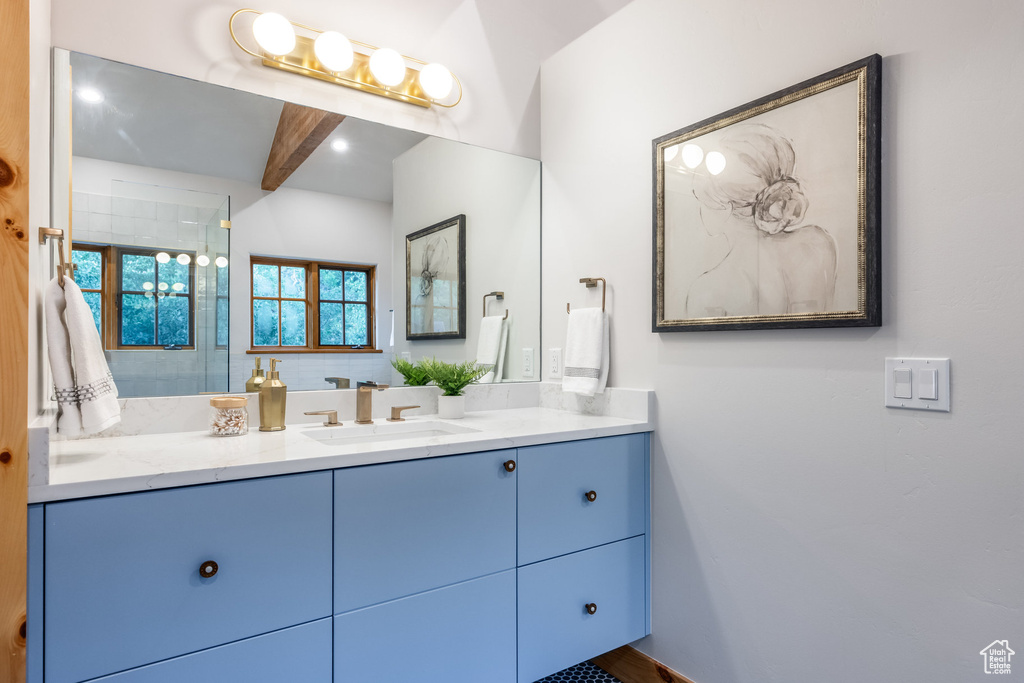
383	430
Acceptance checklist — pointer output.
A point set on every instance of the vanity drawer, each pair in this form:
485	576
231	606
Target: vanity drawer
555	515
301	653
464	633
405	527
123	585
555	628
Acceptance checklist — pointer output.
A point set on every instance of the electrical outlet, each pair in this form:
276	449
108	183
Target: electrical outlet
527	362
554	362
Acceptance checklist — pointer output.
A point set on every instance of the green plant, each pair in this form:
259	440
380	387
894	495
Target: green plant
415	374
452	378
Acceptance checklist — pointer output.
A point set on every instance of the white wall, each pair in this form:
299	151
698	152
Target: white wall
802	531
287	223
190	38
500	196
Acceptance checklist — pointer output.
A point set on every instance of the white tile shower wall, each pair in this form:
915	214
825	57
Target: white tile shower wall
306	371
103	219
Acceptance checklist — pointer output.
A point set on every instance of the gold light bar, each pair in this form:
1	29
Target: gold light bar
302	60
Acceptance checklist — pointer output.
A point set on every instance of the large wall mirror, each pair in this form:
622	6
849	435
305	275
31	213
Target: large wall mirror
193	270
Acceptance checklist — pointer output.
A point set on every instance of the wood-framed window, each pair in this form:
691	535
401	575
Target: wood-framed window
140	298
311	306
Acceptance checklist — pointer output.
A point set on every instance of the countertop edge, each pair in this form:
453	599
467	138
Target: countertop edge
50	493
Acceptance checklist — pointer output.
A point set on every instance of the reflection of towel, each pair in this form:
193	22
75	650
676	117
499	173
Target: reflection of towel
490	347
586	352
85	390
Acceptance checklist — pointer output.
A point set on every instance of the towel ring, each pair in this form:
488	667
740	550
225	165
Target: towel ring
592	282
497	295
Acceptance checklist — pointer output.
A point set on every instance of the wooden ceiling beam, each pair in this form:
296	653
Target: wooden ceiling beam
299	132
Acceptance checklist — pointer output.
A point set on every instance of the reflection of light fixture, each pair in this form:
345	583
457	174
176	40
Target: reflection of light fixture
163	257
715	161
184	259
162	286
203	260
178	286
324	55
274	33
221	262
670	153
90	95
334	51
148	286
693	155
339	144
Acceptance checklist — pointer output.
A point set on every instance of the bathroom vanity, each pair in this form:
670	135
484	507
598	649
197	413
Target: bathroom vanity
468	557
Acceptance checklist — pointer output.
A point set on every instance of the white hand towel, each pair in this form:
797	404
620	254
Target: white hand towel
85	390
586	352
490	347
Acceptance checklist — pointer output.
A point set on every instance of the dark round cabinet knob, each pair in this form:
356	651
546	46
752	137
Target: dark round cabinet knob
510	465
591	608
590	495
207	569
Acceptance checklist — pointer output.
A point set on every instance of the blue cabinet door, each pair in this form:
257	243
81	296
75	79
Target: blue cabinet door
123	585
555	515
464	633
300	654
406	527
555	628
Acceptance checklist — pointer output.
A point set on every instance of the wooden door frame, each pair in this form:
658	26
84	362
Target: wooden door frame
14	372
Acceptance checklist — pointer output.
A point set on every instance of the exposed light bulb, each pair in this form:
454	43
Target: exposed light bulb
436	80
178	286
147	286
90	95
184	259
274	33
339	144
221	262
387	66
163	257
715	162
693	155
162	286
671	152
203	260
333	50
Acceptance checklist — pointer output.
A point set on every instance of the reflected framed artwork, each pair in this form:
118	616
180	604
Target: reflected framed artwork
768	215
435	281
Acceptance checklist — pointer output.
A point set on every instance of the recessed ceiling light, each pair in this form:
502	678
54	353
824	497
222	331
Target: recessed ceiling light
90	95
339	144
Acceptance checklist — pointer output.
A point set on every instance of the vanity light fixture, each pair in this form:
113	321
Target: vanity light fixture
221	262
184	259
163	257
330	56
202	260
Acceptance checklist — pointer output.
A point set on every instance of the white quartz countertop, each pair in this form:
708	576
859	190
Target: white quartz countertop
94	467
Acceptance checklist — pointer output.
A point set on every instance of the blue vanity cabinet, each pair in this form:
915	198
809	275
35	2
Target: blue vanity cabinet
465	633
124	585
583	561
300	653
405	527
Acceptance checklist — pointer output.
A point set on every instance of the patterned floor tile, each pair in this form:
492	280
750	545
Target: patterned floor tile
581	673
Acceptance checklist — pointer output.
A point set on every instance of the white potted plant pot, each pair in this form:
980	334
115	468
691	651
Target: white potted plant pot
451	407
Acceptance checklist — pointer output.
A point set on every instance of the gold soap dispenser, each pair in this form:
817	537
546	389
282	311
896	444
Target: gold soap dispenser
273	394
253	383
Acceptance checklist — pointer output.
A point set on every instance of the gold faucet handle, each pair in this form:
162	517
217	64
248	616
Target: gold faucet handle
396	413
382	387
332	417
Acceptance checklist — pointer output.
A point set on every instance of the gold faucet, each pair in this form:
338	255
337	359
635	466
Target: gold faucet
364	401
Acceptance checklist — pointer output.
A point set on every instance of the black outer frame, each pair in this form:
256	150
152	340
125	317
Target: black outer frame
872	207
459	220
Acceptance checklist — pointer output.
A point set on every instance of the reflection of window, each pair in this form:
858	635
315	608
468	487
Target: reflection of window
309	305
222	310
140	299
440	305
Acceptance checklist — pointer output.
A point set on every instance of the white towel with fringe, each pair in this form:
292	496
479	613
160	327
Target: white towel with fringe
586	352
490	347
85	390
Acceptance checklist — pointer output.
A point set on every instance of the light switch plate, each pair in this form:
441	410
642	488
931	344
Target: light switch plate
922	383
527	362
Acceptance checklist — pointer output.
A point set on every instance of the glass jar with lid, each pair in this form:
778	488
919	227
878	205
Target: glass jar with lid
229	416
